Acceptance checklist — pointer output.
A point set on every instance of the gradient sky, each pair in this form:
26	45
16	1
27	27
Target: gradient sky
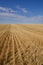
21	11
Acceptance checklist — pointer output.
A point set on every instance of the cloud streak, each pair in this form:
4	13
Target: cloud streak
7	10
8	14
24	10
21	19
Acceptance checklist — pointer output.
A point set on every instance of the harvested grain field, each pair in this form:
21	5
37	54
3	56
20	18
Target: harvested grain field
21	44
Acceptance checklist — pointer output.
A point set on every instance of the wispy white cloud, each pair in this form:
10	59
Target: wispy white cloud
22	9
4	9
21	19
9	13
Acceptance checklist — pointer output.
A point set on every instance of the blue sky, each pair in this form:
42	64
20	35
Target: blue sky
21	11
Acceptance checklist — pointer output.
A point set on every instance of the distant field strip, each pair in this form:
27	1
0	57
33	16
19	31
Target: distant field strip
21	44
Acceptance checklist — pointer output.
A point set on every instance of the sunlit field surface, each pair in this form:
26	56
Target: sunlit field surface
21	44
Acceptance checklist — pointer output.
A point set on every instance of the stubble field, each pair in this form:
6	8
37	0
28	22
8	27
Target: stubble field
21	44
